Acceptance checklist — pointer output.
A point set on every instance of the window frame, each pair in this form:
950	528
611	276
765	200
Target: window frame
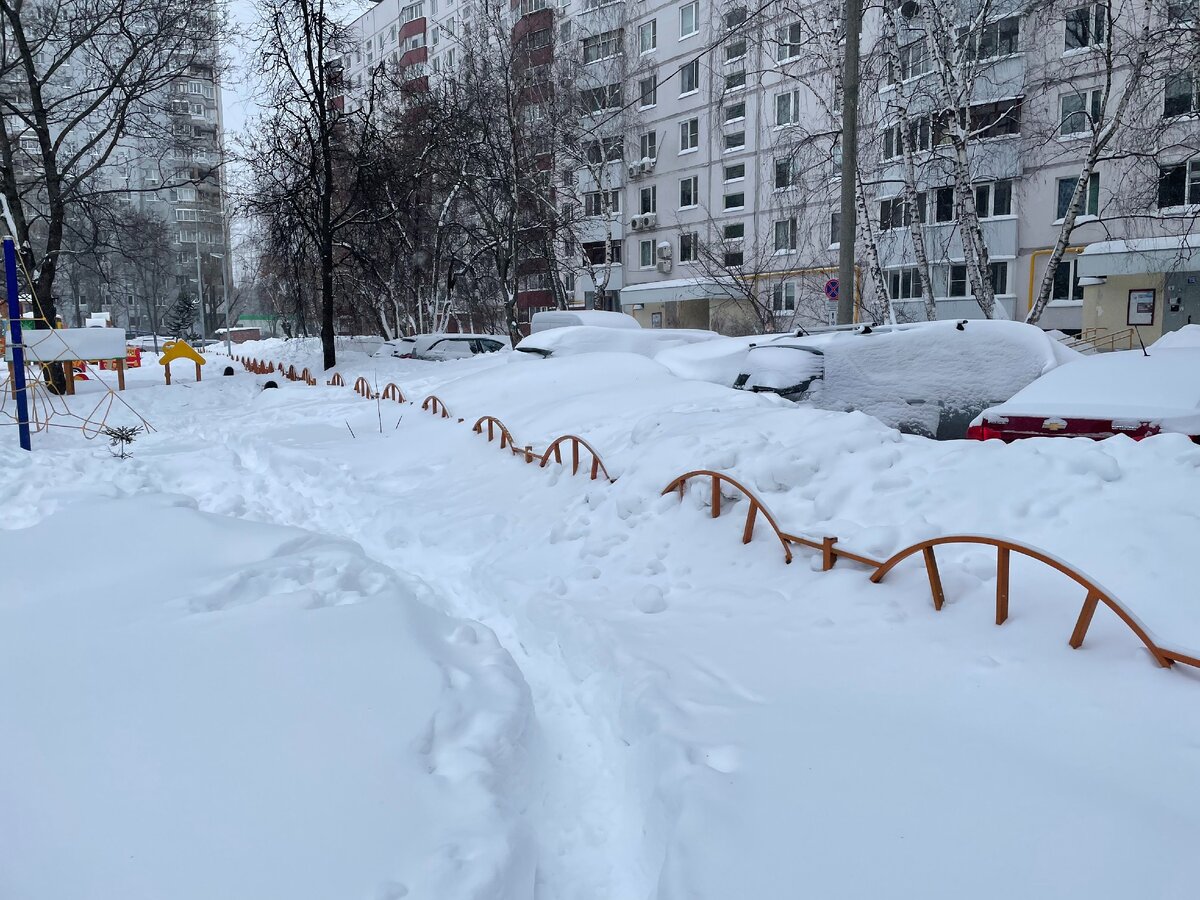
645	28
689	71
694	8
692	132
694	182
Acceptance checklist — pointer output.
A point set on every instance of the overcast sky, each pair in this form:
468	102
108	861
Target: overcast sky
239	95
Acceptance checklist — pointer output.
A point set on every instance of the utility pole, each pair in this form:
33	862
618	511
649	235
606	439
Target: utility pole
848	220
200	286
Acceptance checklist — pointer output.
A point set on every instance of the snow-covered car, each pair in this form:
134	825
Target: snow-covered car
564	318
576	339
401	347
1126	392
147	341
436	347
1186	337
930	378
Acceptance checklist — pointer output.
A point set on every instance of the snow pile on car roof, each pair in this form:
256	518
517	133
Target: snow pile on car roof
971	364
575	339
1126	384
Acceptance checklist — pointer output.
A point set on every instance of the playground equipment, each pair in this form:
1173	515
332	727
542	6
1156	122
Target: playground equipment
173	350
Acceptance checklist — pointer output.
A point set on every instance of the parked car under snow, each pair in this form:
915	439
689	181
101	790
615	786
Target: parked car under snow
1127	392
930	378
576	339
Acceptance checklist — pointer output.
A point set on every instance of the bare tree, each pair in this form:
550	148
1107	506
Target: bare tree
81	78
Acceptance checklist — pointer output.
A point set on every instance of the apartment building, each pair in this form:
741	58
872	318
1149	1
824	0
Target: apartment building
168	166
712	198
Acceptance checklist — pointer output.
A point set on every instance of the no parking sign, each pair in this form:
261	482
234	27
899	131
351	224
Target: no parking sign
831	289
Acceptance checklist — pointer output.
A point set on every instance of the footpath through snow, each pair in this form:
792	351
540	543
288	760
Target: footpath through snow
308	645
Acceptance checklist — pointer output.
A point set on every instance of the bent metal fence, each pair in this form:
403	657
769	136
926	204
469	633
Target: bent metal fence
831	552
494	427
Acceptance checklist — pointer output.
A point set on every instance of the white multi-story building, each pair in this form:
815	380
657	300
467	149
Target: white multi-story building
719	201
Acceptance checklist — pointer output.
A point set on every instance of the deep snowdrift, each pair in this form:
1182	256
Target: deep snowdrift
703	720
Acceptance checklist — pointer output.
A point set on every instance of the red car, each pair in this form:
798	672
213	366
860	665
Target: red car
1130	392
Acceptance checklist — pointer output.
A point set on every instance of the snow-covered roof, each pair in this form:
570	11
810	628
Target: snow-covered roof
1139	256
674	289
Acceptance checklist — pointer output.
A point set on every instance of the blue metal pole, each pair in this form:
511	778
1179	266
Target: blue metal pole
18	351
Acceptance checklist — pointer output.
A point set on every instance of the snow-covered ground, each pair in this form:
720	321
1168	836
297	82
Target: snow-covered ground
308	645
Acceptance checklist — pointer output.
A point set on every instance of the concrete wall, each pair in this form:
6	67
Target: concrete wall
1106	306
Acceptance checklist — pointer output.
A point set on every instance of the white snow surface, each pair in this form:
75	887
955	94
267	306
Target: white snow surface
1186	337
572	340
1161	387
307	645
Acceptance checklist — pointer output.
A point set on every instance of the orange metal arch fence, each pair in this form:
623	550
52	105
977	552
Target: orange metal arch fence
831	552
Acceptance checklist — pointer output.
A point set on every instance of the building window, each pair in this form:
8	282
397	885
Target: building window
646	254
999	276
735	112
993	199
689	192
1085	26
689	19
1181	12
920	137
1066	282
734	258
788	38
785	173
992	120
609	149
601	203
735	50
595	99
787	107
904	284
735	140
648	199
735	172
689	78
689	135
1079	112
1179	185
995	39
785	235
735	81
596	251
835	229
648	36
600	46
896	212
648	91
1180	98
958	281
914	62
735	201
689	246
1091	203
735	231
783	296
943	204
649	145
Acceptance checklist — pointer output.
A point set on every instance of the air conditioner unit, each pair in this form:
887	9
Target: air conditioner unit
649	220
664	250
636	223
635	170
664	266
648	163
